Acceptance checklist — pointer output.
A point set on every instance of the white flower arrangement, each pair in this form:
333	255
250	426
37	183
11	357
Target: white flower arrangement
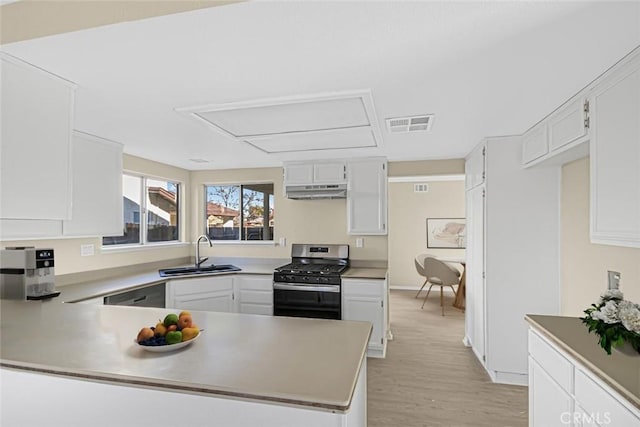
615	320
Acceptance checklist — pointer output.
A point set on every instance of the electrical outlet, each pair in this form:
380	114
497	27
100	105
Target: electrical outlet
359	242
282	241
87	250
614	279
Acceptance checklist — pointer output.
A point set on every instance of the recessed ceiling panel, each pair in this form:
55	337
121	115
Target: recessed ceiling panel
290	117
337	139
329	121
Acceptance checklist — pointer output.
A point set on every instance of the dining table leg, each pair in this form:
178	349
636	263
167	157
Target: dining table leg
458	301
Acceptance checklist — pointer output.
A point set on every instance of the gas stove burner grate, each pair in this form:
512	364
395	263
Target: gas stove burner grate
304	268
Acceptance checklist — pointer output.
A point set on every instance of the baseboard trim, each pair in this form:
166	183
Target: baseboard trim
511	378
447	289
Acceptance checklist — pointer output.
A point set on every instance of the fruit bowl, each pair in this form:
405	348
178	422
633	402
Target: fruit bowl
166	347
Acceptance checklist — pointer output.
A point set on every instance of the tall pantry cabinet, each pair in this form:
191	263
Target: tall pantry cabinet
512	254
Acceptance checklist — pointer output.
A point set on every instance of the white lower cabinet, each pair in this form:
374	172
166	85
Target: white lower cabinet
249	294
563	392
254	294
549	404
366	300
201	293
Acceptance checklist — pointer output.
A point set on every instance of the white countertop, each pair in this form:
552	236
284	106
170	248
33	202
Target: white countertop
103	287
307	362
619	371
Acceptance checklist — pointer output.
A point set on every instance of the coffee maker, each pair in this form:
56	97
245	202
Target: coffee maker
27	273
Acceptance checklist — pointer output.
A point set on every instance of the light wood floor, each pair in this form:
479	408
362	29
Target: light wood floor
429	378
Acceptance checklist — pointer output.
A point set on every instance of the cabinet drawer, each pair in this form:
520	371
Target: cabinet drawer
265	310
255	283
599	403
201	284
256	297
362	287
555	364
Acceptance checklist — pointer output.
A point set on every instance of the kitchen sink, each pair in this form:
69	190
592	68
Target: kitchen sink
208	269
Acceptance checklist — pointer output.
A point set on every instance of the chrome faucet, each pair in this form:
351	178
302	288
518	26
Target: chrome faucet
199	260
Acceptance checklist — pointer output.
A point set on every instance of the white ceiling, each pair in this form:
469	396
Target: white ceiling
483	69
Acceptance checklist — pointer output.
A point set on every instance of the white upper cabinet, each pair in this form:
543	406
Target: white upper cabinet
97	187
475	167
308	173
330	173
535	143
559	138
367	196
568	124
37	114
615	156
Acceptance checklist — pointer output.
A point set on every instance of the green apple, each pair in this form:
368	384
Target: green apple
170	319
174	337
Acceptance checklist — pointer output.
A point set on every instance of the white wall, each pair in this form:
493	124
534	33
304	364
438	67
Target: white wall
584	264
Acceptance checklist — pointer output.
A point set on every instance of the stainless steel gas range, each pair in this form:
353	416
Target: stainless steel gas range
310	286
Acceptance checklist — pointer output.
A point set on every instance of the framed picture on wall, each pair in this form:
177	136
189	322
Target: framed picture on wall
446	233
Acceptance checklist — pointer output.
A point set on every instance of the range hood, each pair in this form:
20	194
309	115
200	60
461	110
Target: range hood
315	192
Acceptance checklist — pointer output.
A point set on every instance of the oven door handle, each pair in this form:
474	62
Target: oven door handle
290	287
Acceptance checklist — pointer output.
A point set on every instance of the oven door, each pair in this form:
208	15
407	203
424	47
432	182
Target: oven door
298	300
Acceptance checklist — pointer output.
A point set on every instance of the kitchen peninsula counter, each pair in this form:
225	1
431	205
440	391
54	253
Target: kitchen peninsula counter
621	372
304	363
84	287
365	273
81	289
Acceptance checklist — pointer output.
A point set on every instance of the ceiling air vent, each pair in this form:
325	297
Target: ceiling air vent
410	124
420	188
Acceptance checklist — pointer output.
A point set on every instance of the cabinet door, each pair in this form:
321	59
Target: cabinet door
567	124
615	158
535	143
35	169
603	403
475	287
201	293
582	418
221	301
549	404
298	174
329	173
97	187
254	294
366	300
367	309
367	197
475	167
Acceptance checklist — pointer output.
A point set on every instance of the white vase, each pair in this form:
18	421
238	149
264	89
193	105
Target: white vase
627	349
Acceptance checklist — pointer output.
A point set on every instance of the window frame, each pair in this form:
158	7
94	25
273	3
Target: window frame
144	213
240	185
